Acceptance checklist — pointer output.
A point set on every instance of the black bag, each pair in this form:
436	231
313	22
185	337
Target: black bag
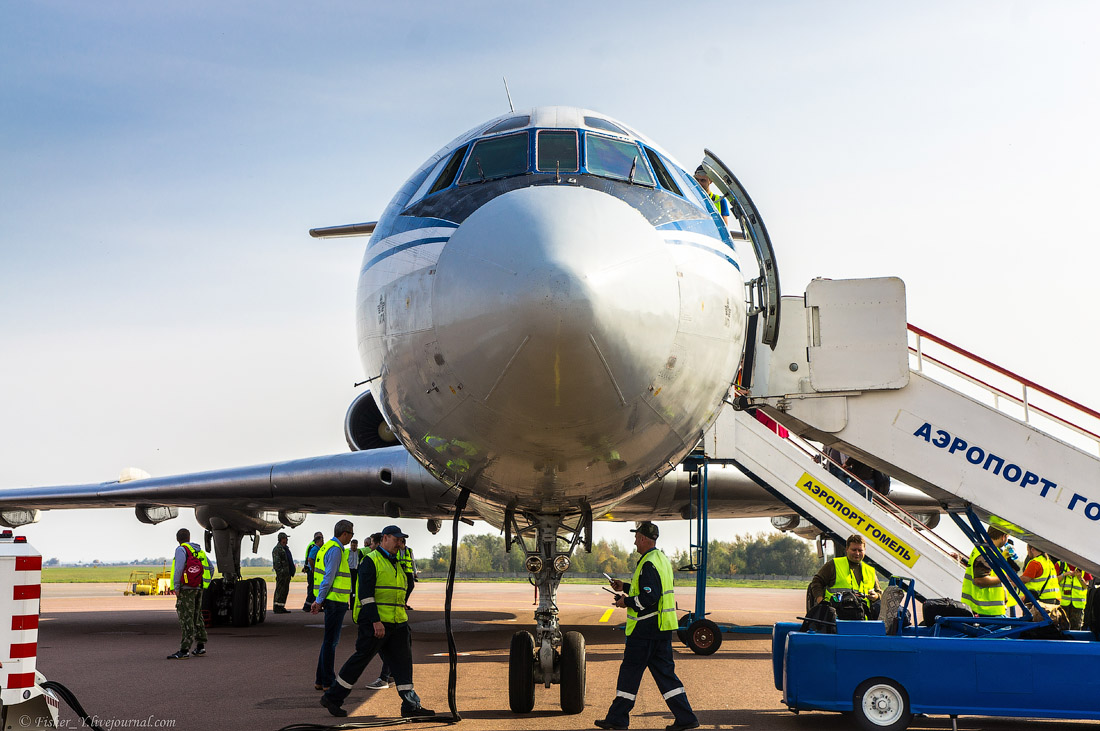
944	607
849	605
821	619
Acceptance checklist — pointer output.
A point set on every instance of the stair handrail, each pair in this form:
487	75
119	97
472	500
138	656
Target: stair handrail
900	513
1025	384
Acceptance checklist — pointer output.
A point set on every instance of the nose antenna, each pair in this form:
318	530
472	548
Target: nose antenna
508	94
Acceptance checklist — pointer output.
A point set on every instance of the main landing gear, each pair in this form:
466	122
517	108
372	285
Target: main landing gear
232	599
548	656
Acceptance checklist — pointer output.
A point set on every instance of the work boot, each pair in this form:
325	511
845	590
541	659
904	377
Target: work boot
682	725
416	712
178	655
332	706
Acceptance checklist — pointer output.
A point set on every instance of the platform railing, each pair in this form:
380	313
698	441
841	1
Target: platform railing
1019	397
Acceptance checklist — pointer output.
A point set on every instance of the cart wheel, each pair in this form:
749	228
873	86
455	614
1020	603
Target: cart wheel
572	672
703	637
521	673
881	704
682	632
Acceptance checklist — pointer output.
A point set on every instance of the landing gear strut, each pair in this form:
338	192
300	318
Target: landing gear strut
550	655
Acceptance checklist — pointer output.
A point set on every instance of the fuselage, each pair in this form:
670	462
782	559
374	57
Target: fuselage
552	310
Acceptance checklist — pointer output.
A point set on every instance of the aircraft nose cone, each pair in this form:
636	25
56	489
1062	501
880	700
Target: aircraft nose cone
552	303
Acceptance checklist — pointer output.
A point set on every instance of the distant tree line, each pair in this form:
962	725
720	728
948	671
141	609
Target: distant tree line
776	554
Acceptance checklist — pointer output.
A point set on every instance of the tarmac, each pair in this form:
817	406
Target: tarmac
110	651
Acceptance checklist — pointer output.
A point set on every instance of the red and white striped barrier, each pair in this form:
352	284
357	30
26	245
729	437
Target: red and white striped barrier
20	592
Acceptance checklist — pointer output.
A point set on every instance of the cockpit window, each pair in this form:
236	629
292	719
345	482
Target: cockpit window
511	123
448	175
597	123
663	176
556	151
496	157
616	159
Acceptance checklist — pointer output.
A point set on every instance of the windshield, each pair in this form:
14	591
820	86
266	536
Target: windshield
497	157
557	151
616	159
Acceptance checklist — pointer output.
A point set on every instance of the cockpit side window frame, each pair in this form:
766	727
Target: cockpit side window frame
664	177
472	158
449	173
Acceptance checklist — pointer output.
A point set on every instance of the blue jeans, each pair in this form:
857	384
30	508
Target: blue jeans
326	661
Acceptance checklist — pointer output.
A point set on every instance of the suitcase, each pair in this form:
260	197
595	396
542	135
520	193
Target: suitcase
943	608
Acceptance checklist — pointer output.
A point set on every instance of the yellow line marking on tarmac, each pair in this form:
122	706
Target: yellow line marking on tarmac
606	615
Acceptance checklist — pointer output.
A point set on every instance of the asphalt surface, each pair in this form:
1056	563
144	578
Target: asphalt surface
110	651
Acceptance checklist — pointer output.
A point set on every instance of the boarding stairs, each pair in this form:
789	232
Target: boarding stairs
848	371
792	470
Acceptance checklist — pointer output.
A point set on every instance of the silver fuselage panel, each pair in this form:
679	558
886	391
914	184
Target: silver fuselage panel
550	339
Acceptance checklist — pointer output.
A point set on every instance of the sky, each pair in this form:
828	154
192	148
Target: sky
162	306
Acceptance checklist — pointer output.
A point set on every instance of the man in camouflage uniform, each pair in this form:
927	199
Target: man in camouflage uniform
283	563
189	599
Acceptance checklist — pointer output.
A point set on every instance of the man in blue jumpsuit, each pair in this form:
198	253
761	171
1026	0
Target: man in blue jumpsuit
651	620
383	628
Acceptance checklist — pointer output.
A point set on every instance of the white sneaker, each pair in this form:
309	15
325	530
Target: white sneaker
378	684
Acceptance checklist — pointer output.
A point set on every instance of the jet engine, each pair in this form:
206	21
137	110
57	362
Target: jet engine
364	427
18	518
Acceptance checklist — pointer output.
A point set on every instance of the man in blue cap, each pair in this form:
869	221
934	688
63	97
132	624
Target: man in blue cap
383	628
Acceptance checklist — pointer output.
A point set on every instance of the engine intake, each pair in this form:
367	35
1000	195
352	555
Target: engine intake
364	427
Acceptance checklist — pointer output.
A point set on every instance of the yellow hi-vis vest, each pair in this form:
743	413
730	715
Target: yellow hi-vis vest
194	550
846	580
405	560
987	601
389	591
666	605
1045	588
341	583
1074	590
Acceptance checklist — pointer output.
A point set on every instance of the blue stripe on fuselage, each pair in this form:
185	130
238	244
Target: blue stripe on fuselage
404	247
704	247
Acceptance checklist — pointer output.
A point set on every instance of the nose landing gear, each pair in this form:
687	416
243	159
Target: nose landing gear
549	656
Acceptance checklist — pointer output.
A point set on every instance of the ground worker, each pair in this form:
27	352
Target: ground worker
1074	583
353	566
650	621
848	572
191	573
982	590
308	566
408	565
283	563
1041	578
333	595
383	627
721	205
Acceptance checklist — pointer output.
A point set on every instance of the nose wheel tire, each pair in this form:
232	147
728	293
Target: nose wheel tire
881	704
703	637
521	673
572	672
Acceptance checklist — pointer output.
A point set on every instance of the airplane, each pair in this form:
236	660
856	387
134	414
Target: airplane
550	314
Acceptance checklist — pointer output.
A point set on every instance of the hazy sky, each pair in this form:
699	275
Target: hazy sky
162	306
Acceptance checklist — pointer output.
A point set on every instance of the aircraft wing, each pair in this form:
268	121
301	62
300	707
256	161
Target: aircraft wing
356	483
384	481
